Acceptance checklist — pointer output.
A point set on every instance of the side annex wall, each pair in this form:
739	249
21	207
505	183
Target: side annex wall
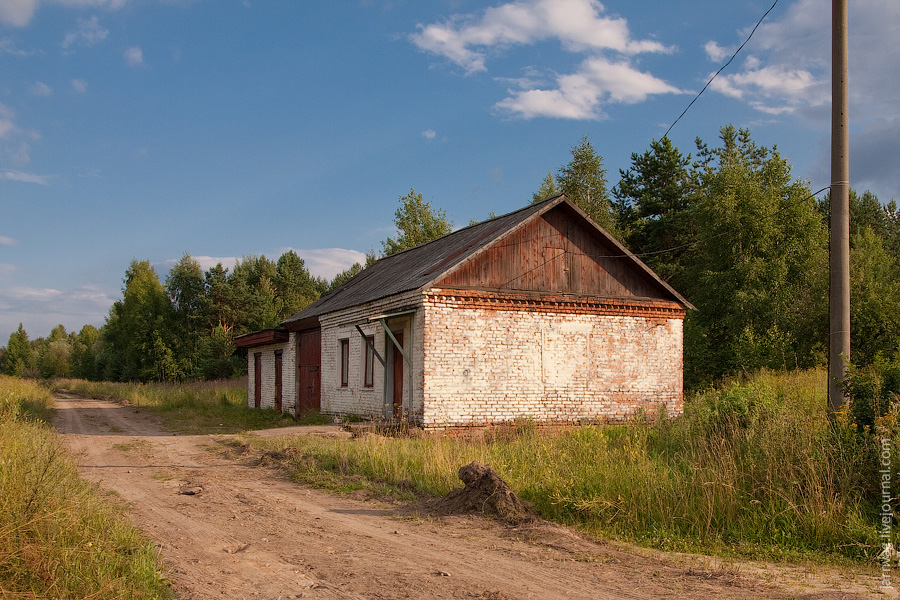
493	358
355	398
288	375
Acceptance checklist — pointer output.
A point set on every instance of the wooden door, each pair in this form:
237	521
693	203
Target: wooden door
257	379
278	361
398	377
309	362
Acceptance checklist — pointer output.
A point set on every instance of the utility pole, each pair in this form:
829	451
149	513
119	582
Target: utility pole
839	260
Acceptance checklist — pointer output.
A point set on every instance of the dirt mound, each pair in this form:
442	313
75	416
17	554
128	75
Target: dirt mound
484	492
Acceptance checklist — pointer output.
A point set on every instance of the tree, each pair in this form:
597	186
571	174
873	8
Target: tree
54	354
18	356
583	181
217	308
252	297
548	189
186	291
347	274
760	276
295	288
417	223
875	299
84	353
652	209
137	332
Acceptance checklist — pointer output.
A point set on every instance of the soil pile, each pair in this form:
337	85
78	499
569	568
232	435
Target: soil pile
484	492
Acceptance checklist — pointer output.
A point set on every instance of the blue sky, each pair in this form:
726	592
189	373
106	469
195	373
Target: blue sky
146	129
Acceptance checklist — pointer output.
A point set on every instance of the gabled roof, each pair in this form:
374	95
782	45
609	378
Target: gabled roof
421	266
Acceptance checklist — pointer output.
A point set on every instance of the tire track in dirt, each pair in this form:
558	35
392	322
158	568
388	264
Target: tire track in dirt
252	534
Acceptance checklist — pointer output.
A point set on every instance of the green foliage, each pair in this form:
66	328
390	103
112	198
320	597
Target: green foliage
294	286
653	206
873	391
84	353
417	223
216	358
583	181
548	189
760	274
874	298
18	356
134	337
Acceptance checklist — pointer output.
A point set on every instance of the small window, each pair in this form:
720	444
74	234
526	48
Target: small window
345	362
369	373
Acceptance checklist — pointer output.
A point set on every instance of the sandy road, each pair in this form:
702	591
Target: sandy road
252	534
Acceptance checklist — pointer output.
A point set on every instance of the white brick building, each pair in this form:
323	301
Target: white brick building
538	314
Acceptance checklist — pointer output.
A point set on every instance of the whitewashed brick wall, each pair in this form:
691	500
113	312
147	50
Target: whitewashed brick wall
485	366
355	398
288	375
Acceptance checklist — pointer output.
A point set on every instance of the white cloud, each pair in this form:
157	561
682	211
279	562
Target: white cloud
580	95
328	262
7	46
717	53
88	33
39	88
607	75
321	262
24	177
790	69
79	85
39	310
429	134
15	141
19	13
134	56
578	25
789	73
7	241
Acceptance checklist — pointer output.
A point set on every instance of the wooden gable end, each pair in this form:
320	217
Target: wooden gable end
558	252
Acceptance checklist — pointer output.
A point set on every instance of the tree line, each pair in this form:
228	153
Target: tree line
729	227
747	243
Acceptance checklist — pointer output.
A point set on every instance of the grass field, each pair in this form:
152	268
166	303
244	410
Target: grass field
58	537
753	468
192	408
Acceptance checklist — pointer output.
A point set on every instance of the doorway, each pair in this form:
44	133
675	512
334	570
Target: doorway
309	362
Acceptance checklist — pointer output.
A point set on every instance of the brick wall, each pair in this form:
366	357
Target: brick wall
492	358
355	398
288	375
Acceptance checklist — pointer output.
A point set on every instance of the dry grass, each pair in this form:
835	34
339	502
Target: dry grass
58	537
753	468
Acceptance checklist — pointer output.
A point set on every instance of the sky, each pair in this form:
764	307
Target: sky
147	129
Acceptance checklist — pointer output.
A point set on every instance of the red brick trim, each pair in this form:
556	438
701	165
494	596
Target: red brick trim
557	303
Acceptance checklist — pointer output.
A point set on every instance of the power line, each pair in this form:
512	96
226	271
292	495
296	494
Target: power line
722	68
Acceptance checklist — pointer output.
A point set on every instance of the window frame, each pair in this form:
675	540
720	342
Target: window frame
369	362
344	348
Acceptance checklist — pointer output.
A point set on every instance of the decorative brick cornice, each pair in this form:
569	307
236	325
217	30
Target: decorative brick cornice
556	303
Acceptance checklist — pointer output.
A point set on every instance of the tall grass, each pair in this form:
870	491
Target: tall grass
753	467
58	537
196	407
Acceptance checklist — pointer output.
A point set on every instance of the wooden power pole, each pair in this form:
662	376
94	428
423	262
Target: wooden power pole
839	290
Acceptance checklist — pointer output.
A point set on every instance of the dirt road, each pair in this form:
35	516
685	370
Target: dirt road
250	533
